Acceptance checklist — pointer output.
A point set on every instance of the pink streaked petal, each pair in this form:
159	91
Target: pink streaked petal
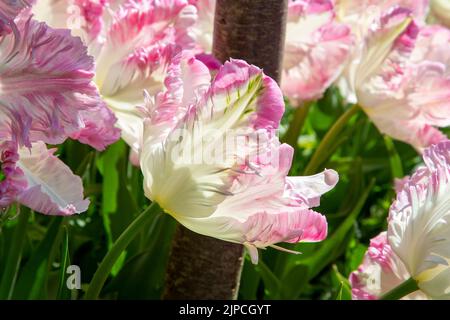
91	11
418	229
316	67
298	8
9	10
289	225
134	17
98	128
196	78
235	75
380	272
309	189
316	49
52	188
187	81
203	29
46	81
412	90
438	156
415	133
210	61
14	181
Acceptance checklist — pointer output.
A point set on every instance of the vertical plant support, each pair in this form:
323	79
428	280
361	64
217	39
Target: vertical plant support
202	267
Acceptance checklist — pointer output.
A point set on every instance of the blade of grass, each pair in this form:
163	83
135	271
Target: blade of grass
323	150
394	158
63	262
35	272
119	246
9	276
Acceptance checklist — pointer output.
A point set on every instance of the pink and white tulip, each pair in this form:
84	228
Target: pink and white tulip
133	43
380	272
316	49
417	242
47	95
390	71
220	170
419	228
46	86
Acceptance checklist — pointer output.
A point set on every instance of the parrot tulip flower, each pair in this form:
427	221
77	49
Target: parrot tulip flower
380	272
220	169
47	91
132	42
419	228
396	63
316	48
47	95
416	245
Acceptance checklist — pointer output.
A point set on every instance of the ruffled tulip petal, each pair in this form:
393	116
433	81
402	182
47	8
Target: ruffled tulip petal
133	43
13	181
203	28
98	128
311	187
186	80
399	77
51	186
138	49
259	213
9	10
46	81
419	222
316	49
380	272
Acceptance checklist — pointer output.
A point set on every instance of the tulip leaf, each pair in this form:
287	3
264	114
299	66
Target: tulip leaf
32	279
394	158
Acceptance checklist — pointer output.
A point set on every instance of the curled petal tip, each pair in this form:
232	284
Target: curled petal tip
331	177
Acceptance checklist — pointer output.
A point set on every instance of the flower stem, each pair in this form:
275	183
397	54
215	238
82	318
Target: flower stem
118	247
401	290
323	152
296	125
14	256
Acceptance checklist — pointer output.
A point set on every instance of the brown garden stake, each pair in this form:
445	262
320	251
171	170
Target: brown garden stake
202	267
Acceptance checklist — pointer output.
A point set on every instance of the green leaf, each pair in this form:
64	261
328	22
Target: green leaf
32	279
296	278
143	275
271	283
14	257
355	256
107	165
344	288
63	262
394	158
250	280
